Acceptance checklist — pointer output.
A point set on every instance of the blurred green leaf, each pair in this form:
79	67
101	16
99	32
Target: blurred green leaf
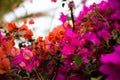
78	60
69	18
98	78
118	40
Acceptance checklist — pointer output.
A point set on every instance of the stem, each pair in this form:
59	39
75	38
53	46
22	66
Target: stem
57	65
39	77
52	73
72	16
57	68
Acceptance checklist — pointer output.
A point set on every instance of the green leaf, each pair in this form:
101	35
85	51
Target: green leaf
70	72
93	79
118	40
20	45
78	60
115	36
20	78
44	75
98	78
94	60
69	18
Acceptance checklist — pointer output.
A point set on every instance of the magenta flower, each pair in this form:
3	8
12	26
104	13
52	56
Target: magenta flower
104	34
77	77
78	42
26	59
60	76
117	25
68	49
92	37
63	17
113	57
111	64
112	70
54	1
0	34
85	53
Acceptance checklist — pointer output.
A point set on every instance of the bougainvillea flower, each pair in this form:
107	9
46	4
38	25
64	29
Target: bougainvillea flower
111	70
14	51
111	64
31	21
26	59
70	34
25	21
112	57
56	34
117	25
104	34
54	0
22	64
24	27
27	54
85	53
6	46
63	18
4	65
12	27
28	34
77	42
51	37
0	34
92	37
108	58
68	49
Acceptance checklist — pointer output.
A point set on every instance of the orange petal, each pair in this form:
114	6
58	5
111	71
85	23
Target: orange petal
31	21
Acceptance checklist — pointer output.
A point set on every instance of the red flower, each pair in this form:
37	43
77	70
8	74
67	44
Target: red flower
31	21
24	27
12	27
28	34
4	65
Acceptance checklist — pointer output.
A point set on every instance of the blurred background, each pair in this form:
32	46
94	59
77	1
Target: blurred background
44	12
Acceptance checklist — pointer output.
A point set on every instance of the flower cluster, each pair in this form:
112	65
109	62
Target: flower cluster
111	64
86	49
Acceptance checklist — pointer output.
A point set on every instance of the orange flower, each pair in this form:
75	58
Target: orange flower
25	21
5	48
31	21
81	31
24	27
2	53
51	37
34	51
14	51
67	24
60	31
39	39
28	34
91	28
39	48
86	24
9	45
4	65
12	27
56	34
